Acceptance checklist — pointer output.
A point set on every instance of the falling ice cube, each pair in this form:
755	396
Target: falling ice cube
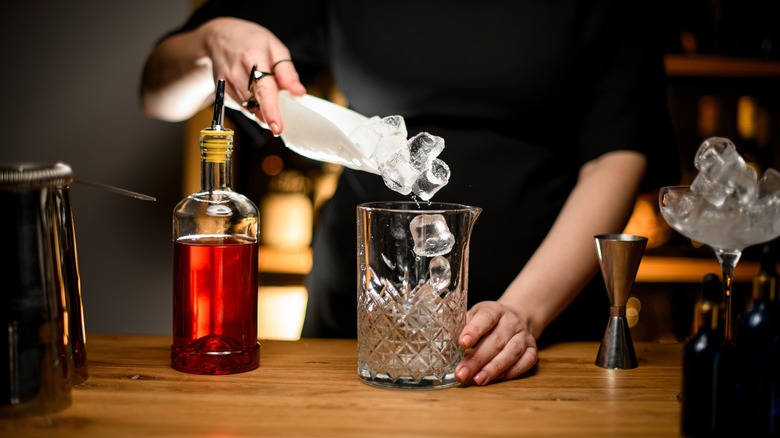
431	235
432	180
398	174
406	166
440	273
423	148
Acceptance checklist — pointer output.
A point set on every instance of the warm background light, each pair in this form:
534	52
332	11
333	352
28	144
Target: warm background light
287	212
647	221
280	312
286	221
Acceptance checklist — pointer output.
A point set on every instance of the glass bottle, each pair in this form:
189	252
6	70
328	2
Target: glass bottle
756	343
215	265
707	383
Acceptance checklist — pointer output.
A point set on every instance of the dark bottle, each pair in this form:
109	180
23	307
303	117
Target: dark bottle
707	384
215	266
756	344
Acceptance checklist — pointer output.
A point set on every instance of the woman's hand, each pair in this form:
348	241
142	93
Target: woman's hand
502	345
234	46
181	71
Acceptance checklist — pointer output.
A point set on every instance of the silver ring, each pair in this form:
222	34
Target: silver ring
255	75
273	67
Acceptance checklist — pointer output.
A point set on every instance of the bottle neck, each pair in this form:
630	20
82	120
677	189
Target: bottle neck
764	287
708	316
216	148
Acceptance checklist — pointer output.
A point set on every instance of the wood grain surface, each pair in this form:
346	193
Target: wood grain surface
310	388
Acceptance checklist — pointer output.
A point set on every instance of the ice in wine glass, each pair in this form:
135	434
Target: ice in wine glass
726	207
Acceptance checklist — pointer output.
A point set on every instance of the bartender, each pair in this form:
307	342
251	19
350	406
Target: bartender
553	114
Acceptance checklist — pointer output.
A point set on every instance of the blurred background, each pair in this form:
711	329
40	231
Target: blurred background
71	75
70	78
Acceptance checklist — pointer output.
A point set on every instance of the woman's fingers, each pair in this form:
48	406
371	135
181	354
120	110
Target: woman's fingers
265	94
501	345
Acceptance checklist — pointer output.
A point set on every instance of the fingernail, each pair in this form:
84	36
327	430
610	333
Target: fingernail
463	374
480	378
275	129
466	340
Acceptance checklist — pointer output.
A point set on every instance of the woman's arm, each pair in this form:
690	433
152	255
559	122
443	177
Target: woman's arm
503	334
179	75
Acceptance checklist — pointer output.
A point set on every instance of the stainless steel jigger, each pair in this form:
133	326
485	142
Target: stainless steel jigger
619	257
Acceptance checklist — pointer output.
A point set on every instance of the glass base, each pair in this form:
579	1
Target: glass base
215	355
426	383
40	406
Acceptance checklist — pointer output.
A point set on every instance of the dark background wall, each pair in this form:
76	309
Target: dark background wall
69	77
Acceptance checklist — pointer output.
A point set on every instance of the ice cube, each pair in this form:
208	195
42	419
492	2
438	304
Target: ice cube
681	207
406	166
398	174
769	185
423	148
742	184
767	207
366	136
394	125
440	273
432	180
723	174
369	135
709	189
715	153
737	184
763	219
431	235
388	147
426	296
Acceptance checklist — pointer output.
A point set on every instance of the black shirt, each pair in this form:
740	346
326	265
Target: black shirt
523	93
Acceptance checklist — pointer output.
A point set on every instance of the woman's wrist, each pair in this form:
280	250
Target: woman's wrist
525	317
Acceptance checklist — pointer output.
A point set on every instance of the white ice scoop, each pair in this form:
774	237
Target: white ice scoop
319	129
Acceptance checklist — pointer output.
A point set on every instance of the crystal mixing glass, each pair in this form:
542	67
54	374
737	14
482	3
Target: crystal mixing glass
412	292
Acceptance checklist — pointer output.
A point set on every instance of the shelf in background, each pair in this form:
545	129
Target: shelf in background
720	66
655	269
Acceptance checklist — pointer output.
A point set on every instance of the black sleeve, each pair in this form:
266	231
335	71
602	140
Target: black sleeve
628	107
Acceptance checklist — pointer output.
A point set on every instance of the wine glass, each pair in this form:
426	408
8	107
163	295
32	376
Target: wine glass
728	229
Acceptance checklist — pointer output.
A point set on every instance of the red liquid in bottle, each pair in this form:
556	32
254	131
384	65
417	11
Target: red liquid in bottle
215	306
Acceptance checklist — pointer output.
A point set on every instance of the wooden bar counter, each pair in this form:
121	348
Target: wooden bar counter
310	388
